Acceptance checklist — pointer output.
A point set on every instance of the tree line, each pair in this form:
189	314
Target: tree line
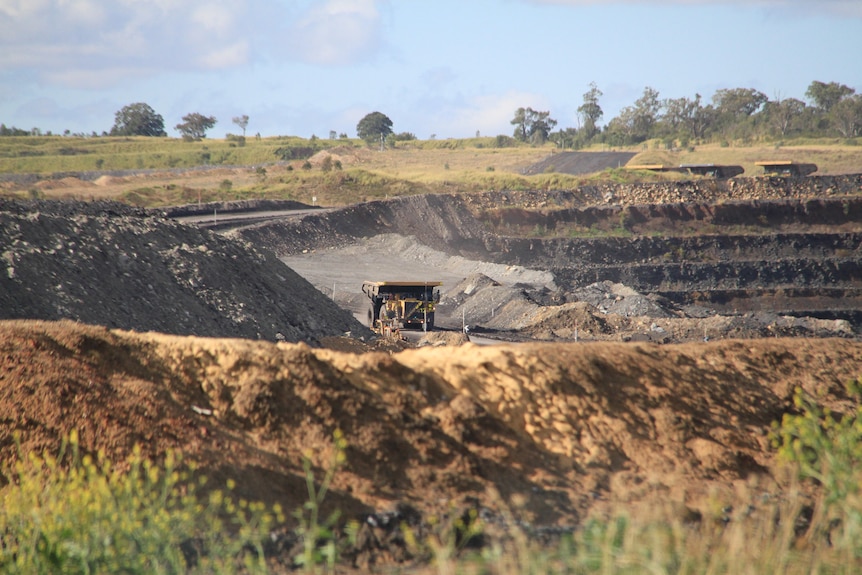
139	119
737	114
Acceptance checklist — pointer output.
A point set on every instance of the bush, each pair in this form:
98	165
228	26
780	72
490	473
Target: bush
74	514
503	141
326	164
827	449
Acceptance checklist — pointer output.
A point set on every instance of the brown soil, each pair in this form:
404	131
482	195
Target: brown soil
561	428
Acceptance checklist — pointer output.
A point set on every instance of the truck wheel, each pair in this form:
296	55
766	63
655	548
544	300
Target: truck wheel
430	325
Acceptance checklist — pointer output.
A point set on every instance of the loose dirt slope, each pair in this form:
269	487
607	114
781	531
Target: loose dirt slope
108	264
565	427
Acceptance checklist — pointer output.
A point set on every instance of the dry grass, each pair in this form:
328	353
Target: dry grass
831	158
411	168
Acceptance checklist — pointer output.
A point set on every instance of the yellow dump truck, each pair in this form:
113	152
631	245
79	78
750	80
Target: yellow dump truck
401	304
786	168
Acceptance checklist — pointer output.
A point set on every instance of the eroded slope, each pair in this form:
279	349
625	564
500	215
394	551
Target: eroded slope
566	427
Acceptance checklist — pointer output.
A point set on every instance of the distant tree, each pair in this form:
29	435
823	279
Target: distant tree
590	112
736	111
521	124
782	114
195	126
565	138
688	116
846	116
241	121
532	125
374	128
825	96
138	119
738	102
635	123
620	130
12	131
541	126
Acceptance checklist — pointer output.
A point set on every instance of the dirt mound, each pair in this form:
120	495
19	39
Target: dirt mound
108	180
577	163
62	183
563	427
345	154
108	264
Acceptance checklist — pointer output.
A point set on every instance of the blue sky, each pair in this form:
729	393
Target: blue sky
443	67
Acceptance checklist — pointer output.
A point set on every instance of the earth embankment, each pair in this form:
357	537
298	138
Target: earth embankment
564	428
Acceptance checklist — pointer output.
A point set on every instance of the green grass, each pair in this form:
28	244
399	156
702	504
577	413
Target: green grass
50	154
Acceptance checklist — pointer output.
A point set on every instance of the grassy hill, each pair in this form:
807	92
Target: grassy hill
161	171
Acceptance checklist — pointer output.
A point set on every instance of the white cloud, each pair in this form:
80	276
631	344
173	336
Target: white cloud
490	115
337	32
851	8
91	43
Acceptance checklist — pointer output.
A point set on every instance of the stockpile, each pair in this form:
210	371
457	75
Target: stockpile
108	264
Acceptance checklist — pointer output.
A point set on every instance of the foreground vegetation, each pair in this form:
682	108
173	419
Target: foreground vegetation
82	514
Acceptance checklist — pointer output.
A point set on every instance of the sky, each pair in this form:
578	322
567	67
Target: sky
436	68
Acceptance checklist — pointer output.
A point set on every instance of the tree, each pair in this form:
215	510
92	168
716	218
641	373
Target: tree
531	125
195	126
565	138
241	121
138	119
520	123
736	111
738	102
825	96
374	128
846	116
782	113
689	115
635	123
590	111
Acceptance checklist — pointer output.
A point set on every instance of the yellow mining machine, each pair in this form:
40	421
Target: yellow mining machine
787	168
401	304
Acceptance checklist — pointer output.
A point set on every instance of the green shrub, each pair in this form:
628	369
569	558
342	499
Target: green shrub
82	514
827	449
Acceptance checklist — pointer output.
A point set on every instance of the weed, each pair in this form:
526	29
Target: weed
827	449
447	538
318	537
79	513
